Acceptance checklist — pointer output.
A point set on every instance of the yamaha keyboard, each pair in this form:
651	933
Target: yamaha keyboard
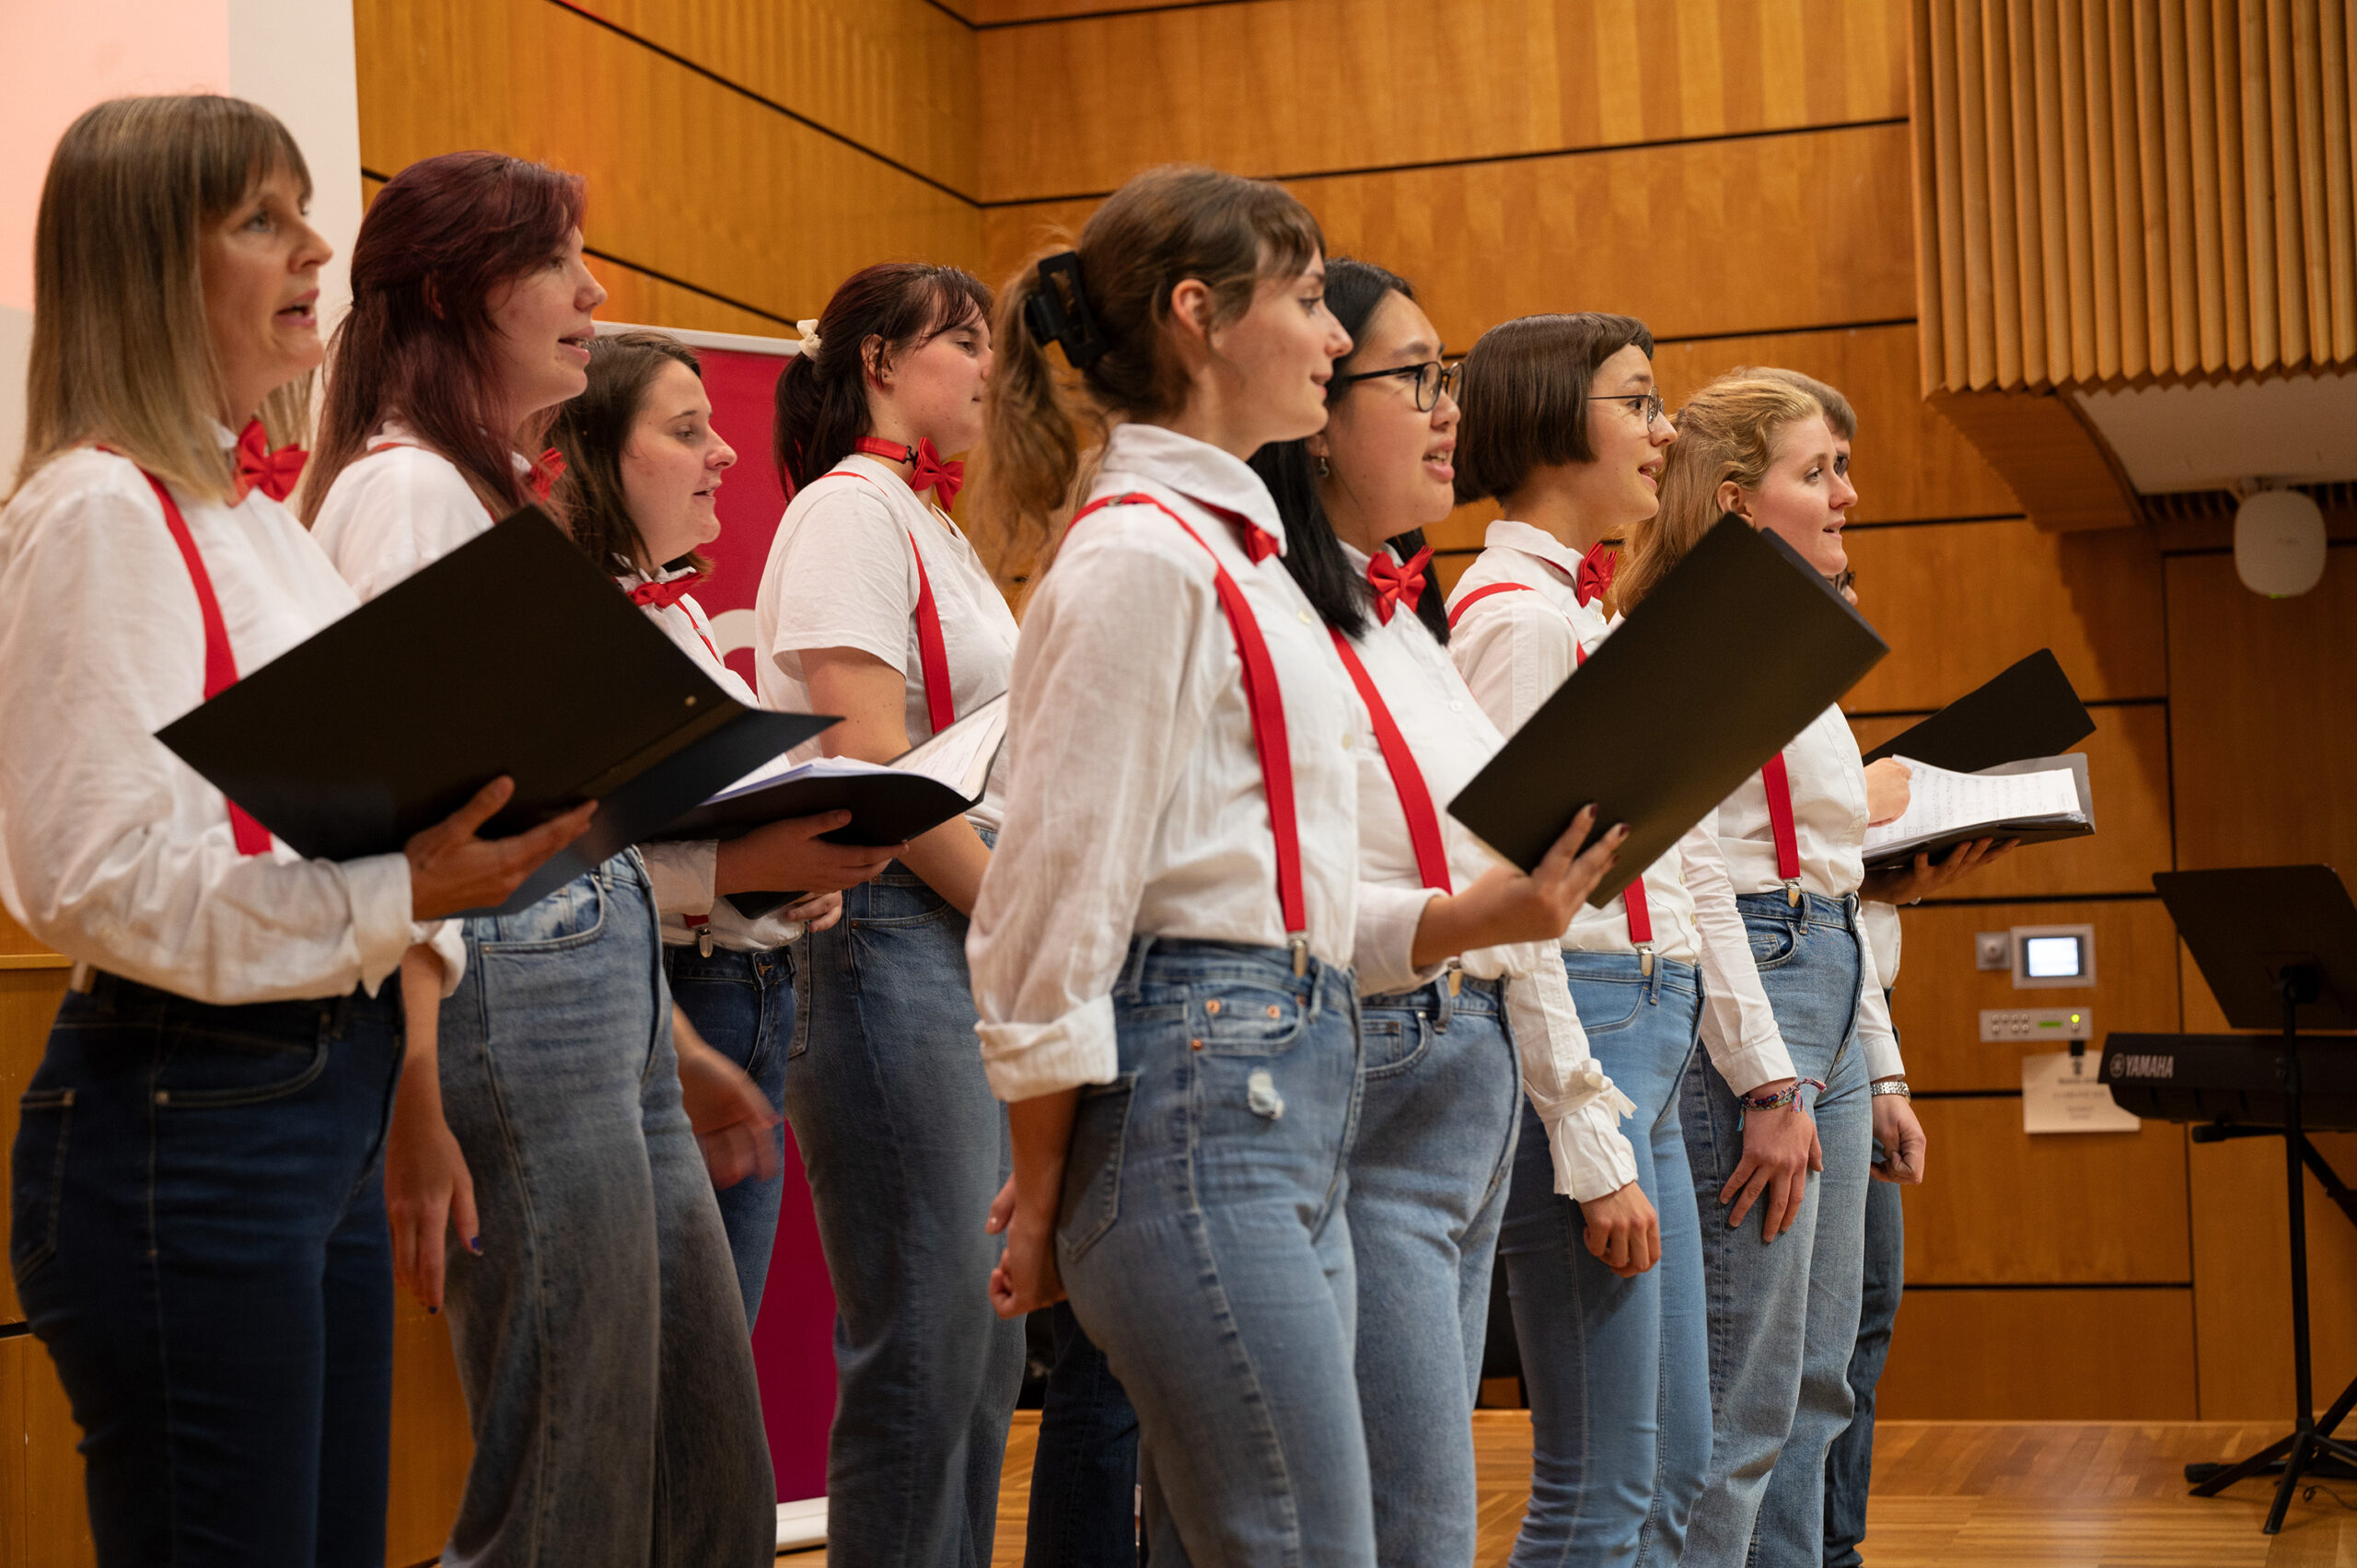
2231	1078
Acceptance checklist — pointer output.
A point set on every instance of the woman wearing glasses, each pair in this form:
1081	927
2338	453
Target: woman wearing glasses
1439	1104
1564	428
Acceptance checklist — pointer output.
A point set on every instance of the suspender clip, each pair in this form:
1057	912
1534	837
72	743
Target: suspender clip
1455	976
1298	942
1793	891
1645	960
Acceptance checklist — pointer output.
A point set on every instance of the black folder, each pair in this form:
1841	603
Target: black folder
510	654
2029	710
1737	649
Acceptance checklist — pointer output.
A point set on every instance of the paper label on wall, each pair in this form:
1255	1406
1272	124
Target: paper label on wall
2062	1093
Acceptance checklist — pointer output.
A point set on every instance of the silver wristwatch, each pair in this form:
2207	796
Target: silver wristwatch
1891	1086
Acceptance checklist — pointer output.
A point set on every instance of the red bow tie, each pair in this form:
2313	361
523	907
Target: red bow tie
273	473
663	596
546	471
1594	579
931	473
1396	584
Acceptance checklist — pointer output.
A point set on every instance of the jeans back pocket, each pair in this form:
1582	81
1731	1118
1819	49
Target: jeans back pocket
37	1177
1091	1200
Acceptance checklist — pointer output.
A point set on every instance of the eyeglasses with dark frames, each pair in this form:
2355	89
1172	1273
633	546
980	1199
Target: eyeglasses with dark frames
1646	406
1431	378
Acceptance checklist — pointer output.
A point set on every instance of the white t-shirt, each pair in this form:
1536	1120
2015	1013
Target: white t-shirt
843	574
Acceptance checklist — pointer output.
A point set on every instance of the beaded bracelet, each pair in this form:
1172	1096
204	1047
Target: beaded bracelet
1777	1099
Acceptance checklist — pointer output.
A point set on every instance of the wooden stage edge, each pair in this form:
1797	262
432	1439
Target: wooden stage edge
1959	1494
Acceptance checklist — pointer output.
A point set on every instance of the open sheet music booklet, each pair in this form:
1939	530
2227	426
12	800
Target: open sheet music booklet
1945	808
922	788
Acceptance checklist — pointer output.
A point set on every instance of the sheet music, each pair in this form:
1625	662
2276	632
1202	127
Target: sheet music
1942	802
961	755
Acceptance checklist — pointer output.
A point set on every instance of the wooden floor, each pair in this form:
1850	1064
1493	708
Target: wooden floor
1959	1495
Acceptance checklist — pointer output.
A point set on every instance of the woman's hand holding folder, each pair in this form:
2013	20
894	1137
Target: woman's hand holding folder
450	869
1504	906
790	853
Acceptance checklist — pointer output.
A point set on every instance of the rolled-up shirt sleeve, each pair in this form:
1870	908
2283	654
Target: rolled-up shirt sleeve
1106	704
1576	1103
115	852
1875	1036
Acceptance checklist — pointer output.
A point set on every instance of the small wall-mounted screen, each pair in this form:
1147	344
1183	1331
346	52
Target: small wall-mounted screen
2052	957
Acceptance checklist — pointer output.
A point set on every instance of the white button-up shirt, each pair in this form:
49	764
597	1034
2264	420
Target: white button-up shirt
1515	649
682	872
1451	738
112	849
841	574
1134	799
1828	786
391	513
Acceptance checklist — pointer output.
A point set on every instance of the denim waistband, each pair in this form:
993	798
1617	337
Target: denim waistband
760	965
1471	993
1177	961
1673	975
131	1002
1813	908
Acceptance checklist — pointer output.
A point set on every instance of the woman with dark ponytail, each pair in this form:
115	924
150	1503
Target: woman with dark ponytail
1438	1113
1162	948
874	605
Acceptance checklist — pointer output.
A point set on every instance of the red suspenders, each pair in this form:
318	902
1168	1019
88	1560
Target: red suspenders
933	653
1415	799
220	660
1266	702
1778	786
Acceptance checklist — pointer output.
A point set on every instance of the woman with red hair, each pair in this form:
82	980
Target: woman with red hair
594	1312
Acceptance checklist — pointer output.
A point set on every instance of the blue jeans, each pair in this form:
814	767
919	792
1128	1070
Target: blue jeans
1438	1115
1085	1470
1204	1241
905	1147
1848	1467
601	1337
743	1005
1785	1316
198	1235
1617	1370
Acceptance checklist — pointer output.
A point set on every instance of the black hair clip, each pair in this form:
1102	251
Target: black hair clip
1058	312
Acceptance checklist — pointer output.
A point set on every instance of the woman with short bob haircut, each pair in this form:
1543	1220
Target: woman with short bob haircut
596	1314
644	464
1449	1063
1785	1316
873	605
1565	429
205	1256
1162	949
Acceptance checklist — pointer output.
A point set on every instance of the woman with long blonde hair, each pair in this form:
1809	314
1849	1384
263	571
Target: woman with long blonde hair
1784	1318
205	1255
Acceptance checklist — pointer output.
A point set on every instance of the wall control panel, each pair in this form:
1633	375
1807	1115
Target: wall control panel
2001	1025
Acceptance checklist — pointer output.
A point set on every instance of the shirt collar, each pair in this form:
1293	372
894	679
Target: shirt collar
394	430
1506	534
1197	470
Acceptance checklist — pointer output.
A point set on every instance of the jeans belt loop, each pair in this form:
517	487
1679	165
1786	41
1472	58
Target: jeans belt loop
1445	996
1802	912
1649	964
1133	979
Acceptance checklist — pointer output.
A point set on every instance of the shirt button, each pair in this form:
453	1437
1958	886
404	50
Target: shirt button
1455	706
1307	618
1346	743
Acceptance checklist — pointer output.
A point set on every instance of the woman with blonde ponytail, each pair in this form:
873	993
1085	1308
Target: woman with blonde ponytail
1783	1319
1162	949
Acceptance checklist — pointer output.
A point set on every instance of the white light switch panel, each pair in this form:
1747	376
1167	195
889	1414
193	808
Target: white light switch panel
1992	949
2005	1024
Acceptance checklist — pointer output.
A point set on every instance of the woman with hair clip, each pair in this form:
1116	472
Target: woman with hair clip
874	605
642	470
205	1257
594	1312
1162	951
1441	1102
1786	1316
1565	429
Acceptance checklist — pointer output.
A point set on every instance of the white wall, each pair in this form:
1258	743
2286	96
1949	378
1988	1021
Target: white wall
292	57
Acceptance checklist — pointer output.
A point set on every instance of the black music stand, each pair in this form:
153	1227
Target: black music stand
2277	944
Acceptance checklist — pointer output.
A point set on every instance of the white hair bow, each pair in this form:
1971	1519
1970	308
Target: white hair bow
809	347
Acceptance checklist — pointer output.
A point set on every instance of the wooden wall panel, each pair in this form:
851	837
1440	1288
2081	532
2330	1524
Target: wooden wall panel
685	177
2263	702
1615	231
13	1502
895	76
1390	87
1936	1004
2041	1355
29	999
2242	1292
1999	1206
1958	602
1910	465
431	1446
2128	766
